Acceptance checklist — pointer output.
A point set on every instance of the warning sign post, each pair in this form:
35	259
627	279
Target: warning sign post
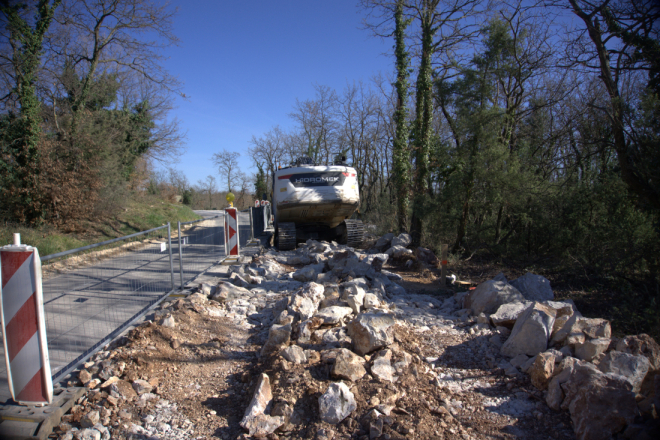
23	325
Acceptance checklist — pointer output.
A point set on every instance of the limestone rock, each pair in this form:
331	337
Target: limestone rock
84	376
577	329
255	420
534	287
278	335
168	322
541	371
371	301
348	366
531	332
123	389
371	331
305	301
382	366
307	273
426	256
600	404
90	419
226	291
333	315
588	350
632	367
562	374
384	242
519	360
507	314
490	295
336	403
402	239
142	386
643	345
355	298
295	354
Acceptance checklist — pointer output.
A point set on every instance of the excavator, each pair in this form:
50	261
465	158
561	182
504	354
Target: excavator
316	201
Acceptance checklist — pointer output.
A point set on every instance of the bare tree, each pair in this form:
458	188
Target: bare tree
209	187
227	163
269	150
316	122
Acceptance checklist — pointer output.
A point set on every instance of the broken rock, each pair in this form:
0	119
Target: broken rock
295	354
333	315
278	335
490	295
507	314
531	332
541	371
643	345
382	366
371	331
632	367
336	404
348	366
534	287
588	350
255	420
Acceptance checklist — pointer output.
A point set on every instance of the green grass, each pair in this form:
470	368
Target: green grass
138	215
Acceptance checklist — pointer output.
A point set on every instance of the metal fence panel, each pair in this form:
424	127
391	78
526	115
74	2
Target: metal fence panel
202	244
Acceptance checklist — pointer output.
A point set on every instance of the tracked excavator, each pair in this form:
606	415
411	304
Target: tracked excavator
316	201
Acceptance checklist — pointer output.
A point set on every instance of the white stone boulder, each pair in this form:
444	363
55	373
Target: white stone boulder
402	239
490	295
534	287
295	354
336	403
278	336
305	301
531	332
381	367
507	314
591	348
632	367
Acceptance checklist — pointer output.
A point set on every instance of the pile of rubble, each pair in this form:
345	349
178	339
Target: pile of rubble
339	349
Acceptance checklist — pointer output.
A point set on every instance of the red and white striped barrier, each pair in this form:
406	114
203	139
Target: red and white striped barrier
231	231
23	325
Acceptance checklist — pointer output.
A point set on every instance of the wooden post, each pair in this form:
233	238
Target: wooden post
443	267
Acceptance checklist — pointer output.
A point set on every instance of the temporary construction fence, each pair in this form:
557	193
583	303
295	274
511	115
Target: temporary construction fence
92	297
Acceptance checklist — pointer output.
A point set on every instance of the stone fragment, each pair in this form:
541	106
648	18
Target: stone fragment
588	350
295	354
426	256
371	331
644	345
255	421
355	298
348	366
168	322
93	383
578	328
632	367
600	404
534	287
90	419
402	239
541	371
336	403
305	301
333	315
384	242
308	273
123	389
227	291
507	314
84	376
88	434
488	296
306	328
531	332
142	386
109	382
381	367
371	301
278	335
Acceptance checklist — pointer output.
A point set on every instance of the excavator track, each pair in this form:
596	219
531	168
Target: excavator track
286	236
354	232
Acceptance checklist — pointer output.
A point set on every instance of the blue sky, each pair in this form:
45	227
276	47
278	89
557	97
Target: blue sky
244	63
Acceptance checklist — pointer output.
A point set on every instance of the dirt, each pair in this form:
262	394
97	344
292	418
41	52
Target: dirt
208	368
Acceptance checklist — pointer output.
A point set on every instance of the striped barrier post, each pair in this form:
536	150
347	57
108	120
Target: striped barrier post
23	325
231	231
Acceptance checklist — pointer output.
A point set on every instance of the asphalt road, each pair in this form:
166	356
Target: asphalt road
85	305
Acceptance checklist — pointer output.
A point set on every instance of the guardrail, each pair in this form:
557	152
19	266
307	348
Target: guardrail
92	297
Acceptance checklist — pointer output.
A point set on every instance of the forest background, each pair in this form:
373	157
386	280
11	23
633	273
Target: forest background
504	129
